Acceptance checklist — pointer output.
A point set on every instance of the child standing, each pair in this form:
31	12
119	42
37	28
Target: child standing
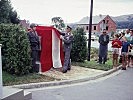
125	49
116	45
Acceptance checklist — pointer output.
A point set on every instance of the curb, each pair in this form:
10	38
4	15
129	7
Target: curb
64	82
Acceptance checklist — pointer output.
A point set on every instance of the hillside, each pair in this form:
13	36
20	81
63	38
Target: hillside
124	21
123	18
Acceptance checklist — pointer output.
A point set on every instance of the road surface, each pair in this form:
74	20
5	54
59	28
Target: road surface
118	86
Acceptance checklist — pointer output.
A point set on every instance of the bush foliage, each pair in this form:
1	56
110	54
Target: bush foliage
79	50
15	49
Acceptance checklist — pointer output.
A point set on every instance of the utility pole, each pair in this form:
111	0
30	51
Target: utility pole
90	29
1	85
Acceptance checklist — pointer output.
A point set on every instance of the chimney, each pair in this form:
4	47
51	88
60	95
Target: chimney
100	15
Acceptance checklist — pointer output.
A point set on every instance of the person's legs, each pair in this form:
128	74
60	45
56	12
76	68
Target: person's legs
34	55
116	60
105	56
36	60
100	53
132	60
115	57
100	59
123	61
69	65
104	59
113	60
66	61
128	60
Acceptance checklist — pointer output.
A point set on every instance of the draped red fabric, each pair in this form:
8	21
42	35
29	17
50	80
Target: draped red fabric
46	47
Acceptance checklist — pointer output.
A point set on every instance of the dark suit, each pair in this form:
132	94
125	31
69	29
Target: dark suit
34	43
67	39
103	48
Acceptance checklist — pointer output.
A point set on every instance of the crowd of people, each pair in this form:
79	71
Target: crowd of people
126	50
122	48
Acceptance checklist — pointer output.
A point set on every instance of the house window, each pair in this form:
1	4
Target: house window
107	27
107	21
87	28
104	21
95	27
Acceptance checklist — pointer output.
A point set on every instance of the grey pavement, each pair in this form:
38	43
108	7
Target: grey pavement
117	86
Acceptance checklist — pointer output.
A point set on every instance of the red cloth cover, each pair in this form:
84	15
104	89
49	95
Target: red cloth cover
46	47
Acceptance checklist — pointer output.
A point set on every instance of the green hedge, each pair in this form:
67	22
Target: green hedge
79	49
15	49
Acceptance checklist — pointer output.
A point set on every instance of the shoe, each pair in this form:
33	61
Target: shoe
64	71
123	68
69	68
100	62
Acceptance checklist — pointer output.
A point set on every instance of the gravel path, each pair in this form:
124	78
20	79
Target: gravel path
76	72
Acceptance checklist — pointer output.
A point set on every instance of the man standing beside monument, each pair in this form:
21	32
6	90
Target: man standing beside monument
67	39
34	43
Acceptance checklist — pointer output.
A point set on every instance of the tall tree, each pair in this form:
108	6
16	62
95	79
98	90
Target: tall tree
14	17
7	14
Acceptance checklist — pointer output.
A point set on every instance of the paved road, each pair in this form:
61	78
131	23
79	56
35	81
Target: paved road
118	86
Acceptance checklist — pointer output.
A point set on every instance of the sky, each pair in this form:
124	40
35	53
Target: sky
41	11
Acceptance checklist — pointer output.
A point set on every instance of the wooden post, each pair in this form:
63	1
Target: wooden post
90	30
1	82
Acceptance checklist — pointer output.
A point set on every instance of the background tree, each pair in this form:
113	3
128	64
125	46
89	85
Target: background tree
14	17
79	49
7	14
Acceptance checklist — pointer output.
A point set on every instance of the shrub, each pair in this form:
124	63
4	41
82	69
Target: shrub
15	49
94	53
79	49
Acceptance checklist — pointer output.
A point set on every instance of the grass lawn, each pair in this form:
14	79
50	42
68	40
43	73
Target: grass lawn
94	65
9	79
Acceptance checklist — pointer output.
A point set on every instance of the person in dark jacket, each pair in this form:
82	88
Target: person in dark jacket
67	38
34	43
103	48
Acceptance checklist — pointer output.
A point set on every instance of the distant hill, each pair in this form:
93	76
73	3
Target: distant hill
124	21
123	18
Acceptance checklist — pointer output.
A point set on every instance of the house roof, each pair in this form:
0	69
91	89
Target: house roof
95	19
